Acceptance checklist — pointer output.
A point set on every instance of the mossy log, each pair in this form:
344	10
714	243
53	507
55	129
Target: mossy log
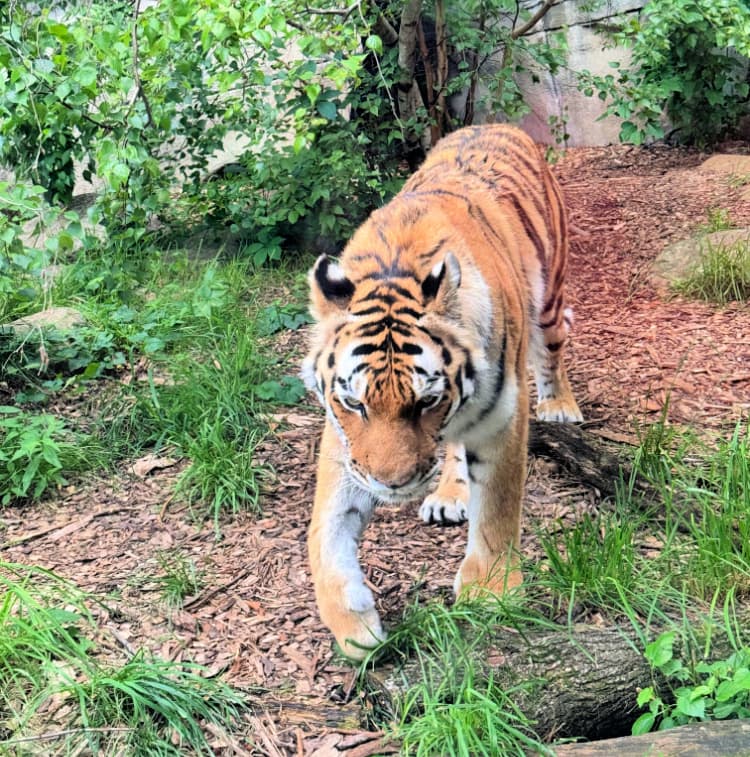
578	682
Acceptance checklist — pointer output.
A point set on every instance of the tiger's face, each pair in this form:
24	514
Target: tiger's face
391	374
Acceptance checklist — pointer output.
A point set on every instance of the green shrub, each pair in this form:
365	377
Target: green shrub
37	452
687	60
702	691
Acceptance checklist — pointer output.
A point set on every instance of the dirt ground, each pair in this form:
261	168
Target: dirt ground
256	618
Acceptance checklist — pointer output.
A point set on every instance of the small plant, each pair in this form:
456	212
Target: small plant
722	276
708	691
179	579
37	452
737	180
277	317
718	220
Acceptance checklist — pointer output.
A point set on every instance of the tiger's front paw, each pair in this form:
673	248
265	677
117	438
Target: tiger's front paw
478	574
437	508
354	622
559	411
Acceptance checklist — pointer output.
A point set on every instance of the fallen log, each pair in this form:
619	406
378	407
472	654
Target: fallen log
728	738
578	682
581	454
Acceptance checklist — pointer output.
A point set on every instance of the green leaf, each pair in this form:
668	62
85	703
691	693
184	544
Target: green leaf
686	705
327	109
374	43
659	652
644	724
85	75
645	696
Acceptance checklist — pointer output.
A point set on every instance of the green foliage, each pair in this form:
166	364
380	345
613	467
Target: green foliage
594	561
276	317
481	28
721	276
687	61
179	579
145	101
717	690
49	652
144	97
37	452
24	216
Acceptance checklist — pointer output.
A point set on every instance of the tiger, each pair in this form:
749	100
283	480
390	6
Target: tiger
421	335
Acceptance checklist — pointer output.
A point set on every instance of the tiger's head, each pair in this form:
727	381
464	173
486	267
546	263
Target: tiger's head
392	364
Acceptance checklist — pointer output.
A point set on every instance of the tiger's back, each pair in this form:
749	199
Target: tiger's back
424	330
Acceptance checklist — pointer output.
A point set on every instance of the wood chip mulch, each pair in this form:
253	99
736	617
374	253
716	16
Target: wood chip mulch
255	618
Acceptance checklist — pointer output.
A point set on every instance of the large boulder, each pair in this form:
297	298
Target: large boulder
678	260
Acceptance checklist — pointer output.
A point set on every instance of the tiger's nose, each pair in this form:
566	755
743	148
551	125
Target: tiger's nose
392	482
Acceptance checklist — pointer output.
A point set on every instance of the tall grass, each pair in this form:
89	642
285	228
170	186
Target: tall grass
458	707
722	276
200	373
59	690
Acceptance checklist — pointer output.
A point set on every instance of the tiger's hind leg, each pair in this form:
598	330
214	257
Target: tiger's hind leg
555	400
449	503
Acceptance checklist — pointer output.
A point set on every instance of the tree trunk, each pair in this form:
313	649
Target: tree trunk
582	682
407	89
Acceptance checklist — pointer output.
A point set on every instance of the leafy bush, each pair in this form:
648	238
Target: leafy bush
144	101
36	452
705	690
144	98
687	62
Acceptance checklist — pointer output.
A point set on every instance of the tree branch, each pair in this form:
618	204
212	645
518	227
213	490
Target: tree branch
136	73
343	12
534	20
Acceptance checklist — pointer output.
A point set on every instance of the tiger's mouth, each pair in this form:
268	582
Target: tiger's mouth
415	489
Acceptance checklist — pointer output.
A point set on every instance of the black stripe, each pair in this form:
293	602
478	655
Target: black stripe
409	348
531	231
408	311
369	311
365	349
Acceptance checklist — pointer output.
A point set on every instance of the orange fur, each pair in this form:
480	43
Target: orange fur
423	334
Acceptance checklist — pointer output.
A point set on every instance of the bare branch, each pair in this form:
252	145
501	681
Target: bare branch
136	72
343	12
534	20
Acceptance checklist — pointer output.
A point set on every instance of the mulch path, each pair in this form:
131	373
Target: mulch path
256	618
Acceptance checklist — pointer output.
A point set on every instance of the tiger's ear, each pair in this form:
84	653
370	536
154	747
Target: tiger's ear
330	290
441	284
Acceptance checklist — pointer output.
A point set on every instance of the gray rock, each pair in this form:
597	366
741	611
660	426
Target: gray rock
677	261
60	318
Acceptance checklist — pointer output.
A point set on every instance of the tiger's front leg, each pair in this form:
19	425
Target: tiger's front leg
341	512
449	503
497	471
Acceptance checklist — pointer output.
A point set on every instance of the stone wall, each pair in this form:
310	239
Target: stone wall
588	49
